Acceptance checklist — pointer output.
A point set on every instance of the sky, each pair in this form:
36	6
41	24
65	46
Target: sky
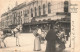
4	4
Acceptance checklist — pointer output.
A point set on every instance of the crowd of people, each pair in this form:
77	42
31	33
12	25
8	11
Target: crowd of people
55	38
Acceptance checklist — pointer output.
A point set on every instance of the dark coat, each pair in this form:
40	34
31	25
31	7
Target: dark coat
51	35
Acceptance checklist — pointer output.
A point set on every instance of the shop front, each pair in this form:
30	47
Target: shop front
45	25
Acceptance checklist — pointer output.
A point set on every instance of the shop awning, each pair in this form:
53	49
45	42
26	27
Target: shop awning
12	26
35	23
63	13
64	21
47	21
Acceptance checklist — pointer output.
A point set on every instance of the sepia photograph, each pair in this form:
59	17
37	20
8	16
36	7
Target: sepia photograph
36	26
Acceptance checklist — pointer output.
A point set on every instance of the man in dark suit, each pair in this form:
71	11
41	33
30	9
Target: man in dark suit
51	39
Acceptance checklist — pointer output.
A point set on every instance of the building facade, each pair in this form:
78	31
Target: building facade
37	13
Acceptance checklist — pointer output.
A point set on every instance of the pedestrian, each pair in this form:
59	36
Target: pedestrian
37	41
51	39
60	41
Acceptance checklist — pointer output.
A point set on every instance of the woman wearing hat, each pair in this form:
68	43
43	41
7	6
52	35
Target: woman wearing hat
37	41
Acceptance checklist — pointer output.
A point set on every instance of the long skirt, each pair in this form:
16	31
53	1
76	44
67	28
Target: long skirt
50	46
37	45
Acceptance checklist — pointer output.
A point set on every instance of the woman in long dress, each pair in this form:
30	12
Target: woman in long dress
37	42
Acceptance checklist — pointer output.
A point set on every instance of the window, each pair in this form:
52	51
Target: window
14	14
39	11
35	12
27	11
43	9
31	12
66	6
24	12
49	8
18	14
21	13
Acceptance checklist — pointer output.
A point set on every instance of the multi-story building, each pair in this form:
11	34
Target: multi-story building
38	13
42	12
18	14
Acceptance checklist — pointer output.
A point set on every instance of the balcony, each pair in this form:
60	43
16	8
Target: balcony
63	13
45	15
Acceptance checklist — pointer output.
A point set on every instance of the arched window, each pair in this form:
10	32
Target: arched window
31	12
43	9
49	8
39	11
35	12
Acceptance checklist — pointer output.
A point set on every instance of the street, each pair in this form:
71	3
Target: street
26	41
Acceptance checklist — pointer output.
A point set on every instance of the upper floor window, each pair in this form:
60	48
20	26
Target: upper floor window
18	14
23	12
66	6
7	17
27	11
35	12
39	10
49	8
31	12
43	9
14	14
